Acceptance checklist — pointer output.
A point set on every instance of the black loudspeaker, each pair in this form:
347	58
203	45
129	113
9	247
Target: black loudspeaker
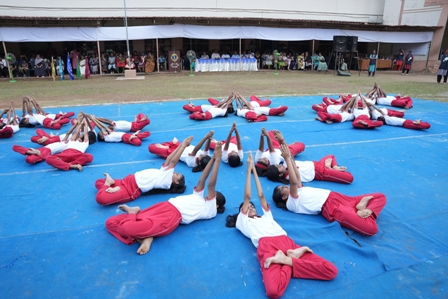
343	43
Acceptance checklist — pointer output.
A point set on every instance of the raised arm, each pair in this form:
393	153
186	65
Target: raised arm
226	146
201	142
294	181
85	130
214	176
261	144
248	187
13	114
261	197
238	139
268	138
75	133
174	157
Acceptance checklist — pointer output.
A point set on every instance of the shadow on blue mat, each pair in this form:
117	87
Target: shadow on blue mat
54	244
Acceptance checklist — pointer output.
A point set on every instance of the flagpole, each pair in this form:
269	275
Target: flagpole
99	56
127	39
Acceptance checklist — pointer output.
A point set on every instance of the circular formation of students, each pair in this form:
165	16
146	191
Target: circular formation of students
279	256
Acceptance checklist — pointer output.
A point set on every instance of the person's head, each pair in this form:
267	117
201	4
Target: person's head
25	123
410	52
202	163
230	109
220	202
234	159
2	125
100	137
280	196
276	173
231	219
262	166
92	137
374	51
178	183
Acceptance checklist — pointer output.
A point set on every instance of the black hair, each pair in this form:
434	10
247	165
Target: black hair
230	109
235	161
382	119
24	124
100	137
175	188
278	198
92	137
231	219
2	125
273	174
220	201
261	171
202	163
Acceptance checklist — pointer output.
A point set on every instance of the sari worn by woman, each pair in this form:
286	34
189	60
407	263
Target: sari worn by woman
82	66
300	62
150	64
39	67
322	65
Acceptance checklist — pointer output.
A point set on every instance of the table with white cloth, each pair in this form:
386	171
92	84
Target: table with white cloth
226	65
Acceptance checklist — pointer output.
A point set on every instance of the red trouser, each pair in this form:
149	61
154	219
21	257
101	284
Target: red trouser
370	123
164	152
342	208
140	123
252	116
128	191
337	118
40	133
212	102
65	115
32	159
69	157
395	113
192	109
156	221
330	101
409	124
6	132
126	138
201	116
277	111
323	173
276	277
57	125
295	148
263	103
319	107
232	140
403	102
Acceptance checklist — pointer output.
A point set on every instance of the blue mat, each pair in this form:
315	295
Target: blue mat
53	241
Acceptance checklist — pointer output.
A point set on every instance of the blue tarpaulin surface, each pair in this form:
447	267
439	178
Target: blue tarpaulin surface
54	244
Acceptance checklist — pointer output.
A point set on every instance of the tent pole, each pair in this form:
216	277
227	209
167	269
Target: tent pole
157	55
312	54
240	56
7	63
99	56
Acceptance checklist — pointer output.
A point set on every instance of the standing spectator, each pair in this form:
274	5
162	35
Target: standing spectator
39	66
372	64
94	61
399	60
112	67
443	68
407	63
315	59
74	56
3	67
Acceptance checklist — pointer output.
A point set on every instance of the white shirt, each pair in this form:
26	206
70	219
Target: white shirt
385	101
306	171
194	206
78	145
232	147
394	121
225	56
15	128
57	147
259	227
309	200
215	55
345	116
190	160
235	56
122	125
114	137
152	178
39	118
364	111
274	157
333	109
32	119
217	112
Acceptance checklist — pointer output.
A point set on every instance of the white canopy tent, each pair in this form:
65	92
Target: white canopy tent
60	34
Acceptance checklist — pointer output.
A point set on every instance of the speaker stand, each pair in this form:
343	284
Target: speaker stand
350	63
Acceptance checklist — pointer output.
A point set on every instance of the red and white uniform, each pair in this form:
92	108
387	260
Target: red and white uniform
263	103
46	120
338	117
127	126
163	152
45	151
251	115
192	161
395	101
8	131
363	115
162	218
233	147
338	207
126	137
51	139
400	122
133	185
275	157
73	155
268	237
208	113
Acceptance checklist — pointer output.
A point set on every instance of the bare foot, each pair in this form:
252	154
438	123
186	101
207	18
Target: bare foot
42	139
145	245
298	252
362	204
328	162
113	189
329	121
319	119
417	121
278	258
129	210
109	180
364	213
363	123
76	166
340	168
175	140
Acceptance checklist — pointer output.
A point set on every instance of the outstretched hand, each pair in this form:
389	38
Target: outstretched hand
278	136
286	154
188	140
209	135
250	160
217	154
264	132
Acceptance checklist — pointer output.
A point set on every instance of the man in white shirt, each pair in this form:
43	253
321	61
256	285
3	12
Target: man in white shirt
216	55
